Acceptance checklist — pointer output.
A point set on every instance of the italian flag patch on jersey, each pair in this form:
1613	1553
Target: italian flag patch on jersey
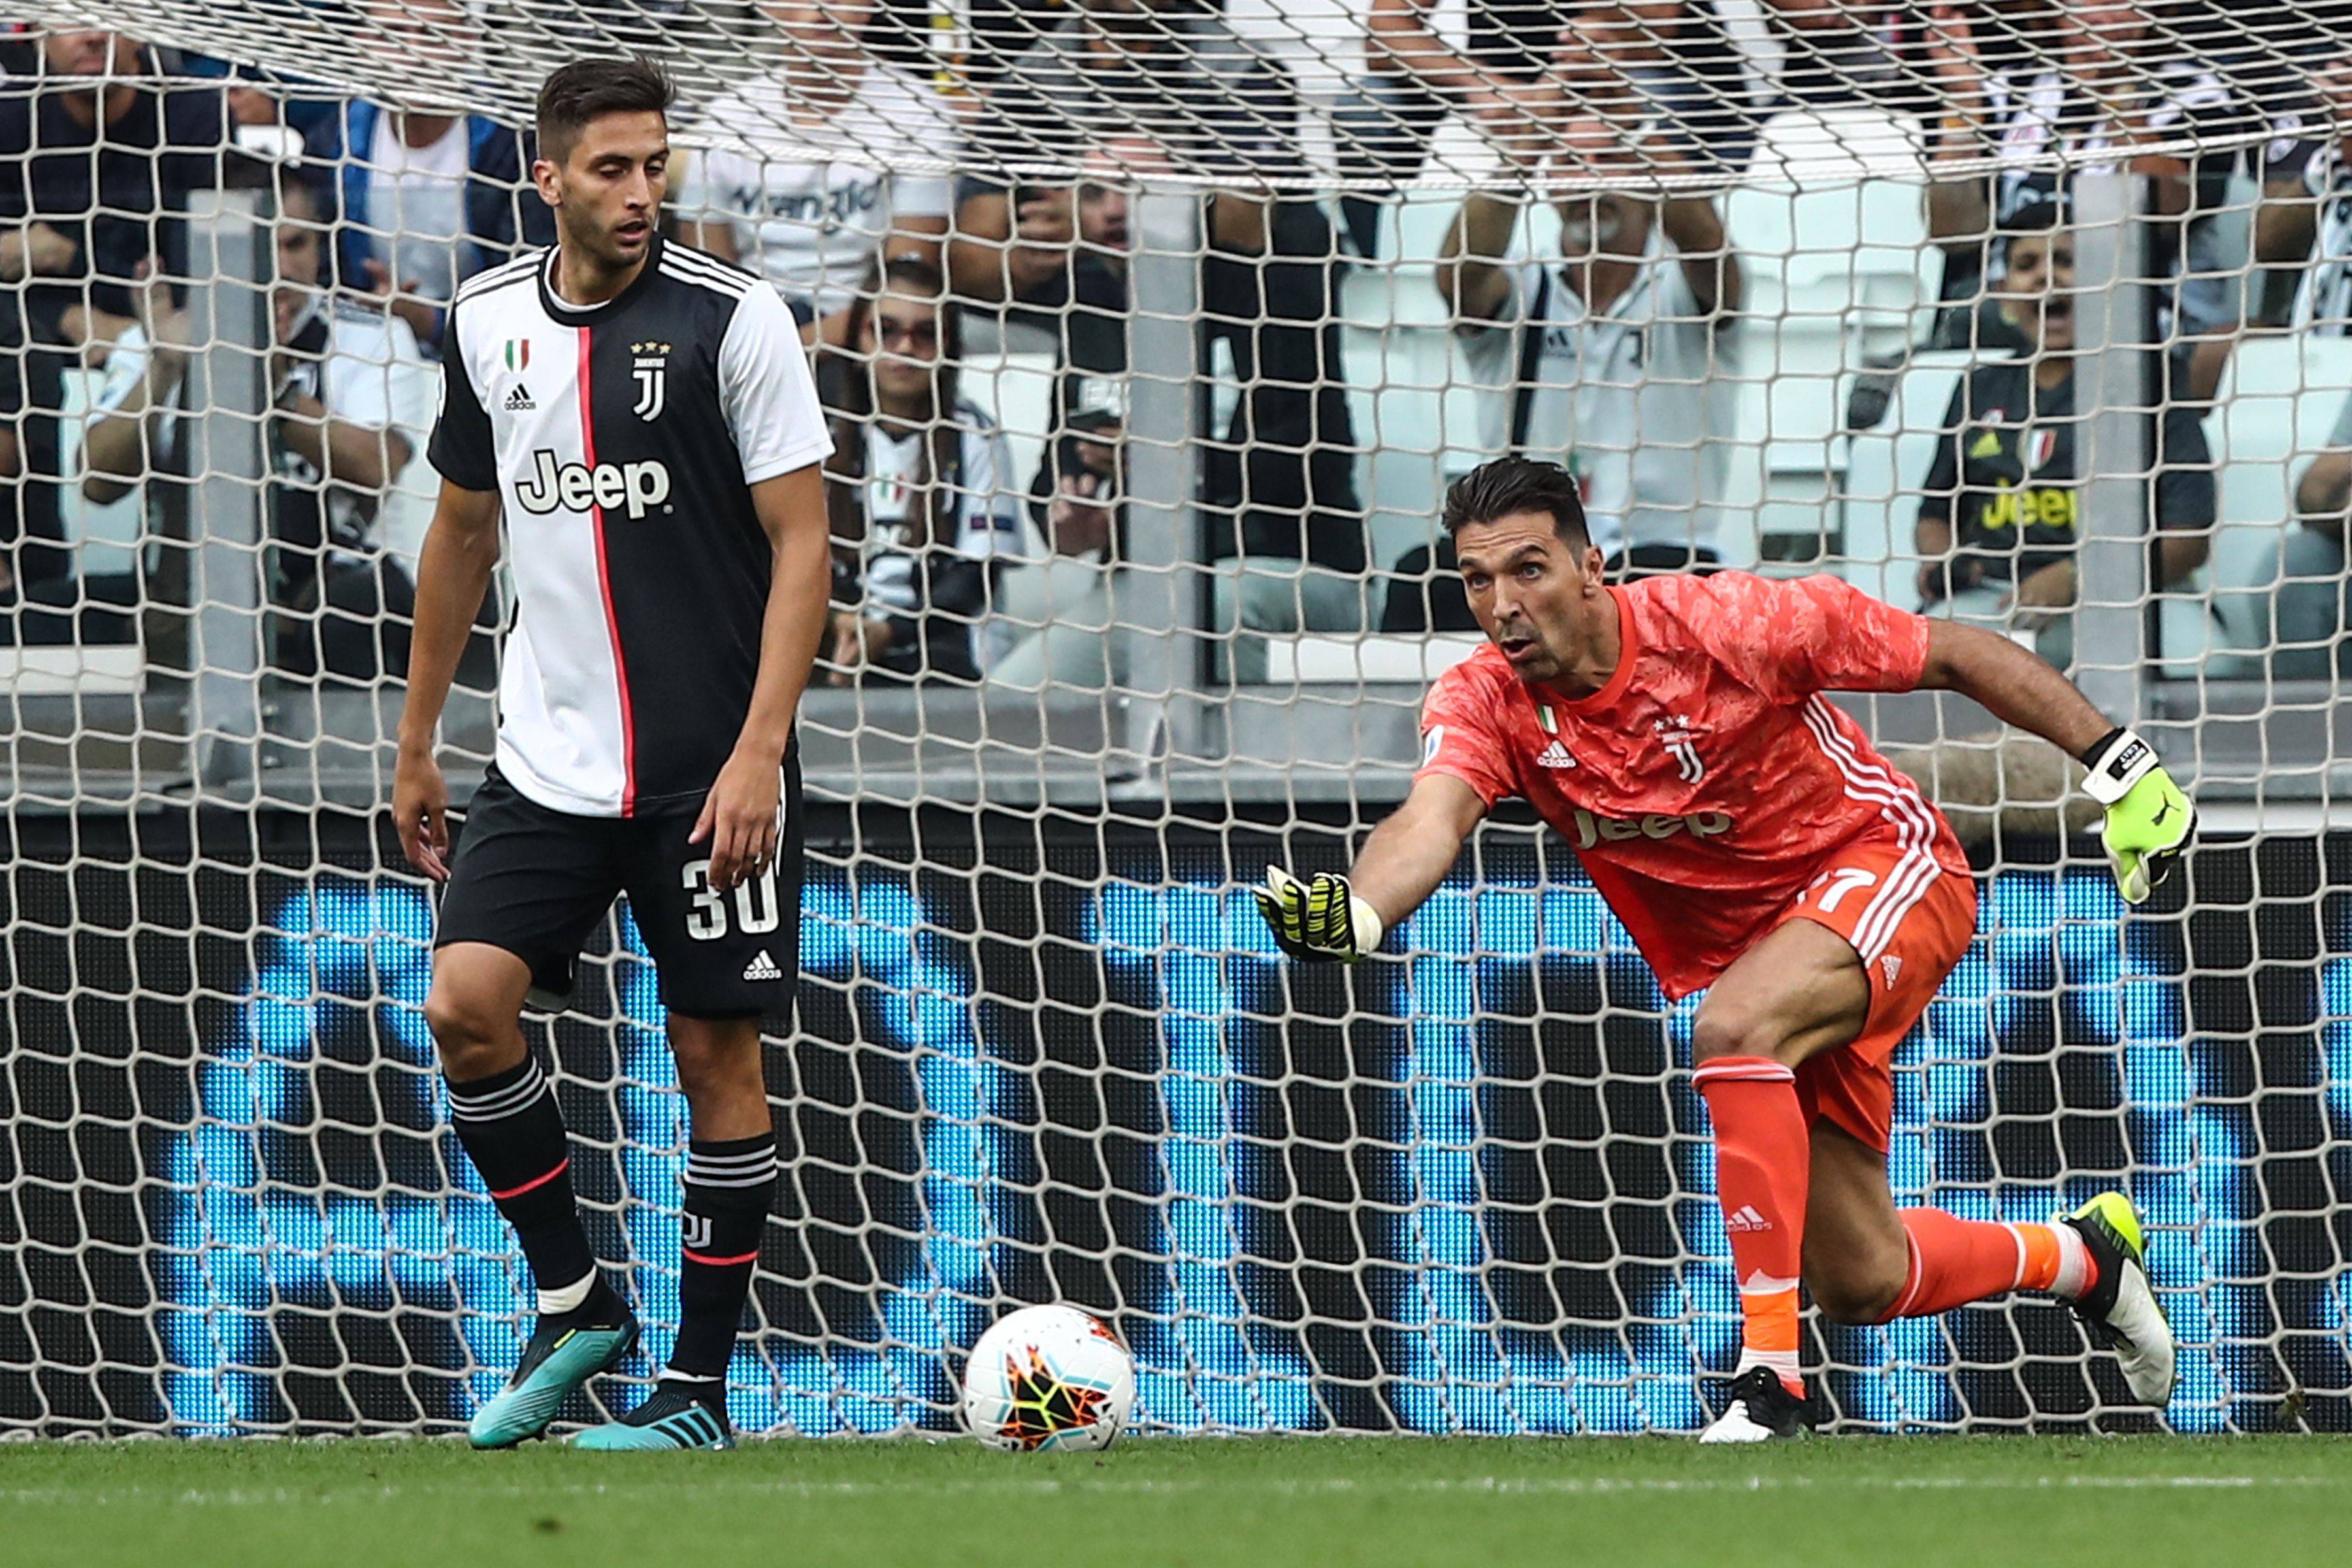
517	354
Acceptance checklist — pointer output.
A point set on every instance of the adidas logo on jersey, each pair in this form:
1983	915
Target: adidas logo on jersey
1744	1217
763	967
1555	756
1893	966
518	400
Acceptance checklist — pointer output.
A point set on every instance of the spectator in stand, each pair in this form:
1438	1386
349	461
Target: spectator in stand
351	408
1834	53
1076	497
94	171
1166	87
2117	85
1665	68
800	184
1662	65
1061	607
2305	221
2000	509
1610	358
351	402
2315	598
918	490
130	445
426	200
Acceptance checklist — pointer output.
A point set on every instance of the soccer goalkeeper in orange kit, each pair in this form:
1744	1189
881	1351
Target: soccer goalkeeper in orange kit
1754	843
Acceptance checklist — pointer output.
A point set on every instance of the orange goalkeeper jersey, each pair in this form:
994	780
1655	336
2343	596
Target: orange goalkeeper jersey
1706	784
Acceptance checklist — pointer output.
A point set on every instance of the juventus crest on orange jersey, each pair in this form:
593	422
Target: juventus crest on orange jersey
1681	739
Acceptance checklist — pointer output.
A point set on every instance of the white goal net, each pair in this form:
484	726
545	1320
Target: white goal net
1152	333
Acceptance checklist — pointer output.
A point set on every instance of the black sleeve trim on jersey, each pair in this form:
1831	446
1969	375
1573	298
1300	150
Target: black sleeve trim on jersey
462	450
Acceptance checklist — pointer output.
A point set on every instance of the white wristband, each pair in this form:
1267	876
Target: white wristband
1366	923
2126	760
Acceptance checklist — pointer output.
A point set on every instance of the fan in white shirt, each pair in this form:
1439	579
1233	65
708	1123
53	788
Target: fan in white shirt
805	177
351	393
1610	358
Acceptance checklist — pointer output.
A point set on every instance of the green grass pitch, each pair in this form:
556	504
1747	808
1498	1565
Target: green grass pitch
1884	1502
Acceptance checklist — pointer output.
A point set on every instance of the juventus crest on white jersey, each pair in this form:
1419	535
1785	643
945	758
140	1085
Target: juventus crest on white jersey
624	438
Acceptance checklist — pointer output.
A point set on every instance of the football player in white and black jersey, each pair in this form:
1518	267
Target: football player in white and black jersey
645	419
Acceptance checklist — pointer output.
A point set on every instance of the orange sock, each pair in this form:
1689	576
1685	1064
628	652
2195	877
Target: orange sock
1955	1261
1762	1169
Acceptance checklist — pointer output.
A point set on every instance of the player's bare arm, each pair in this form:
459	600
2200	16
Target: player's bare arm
739	818
2149	820
1401	864
452	574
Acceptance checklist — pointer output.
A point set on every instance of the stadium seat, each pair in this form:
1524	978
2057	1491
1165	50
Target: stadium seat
1832	217
2276	405
1879	495
1829	227
1342	660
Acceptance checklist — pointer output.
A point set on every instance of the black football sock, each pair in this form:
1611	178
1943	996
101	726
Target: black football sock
511	1129
730	1185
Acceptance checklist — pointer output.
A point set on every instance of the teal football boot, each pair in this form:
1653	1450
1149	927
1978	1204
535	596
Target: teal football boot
557	1361
668	1422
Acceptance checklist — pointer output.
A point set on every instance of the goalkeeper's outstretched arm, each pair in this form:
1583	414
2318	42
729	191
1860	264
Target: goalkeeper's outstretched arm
1401	864
2149	820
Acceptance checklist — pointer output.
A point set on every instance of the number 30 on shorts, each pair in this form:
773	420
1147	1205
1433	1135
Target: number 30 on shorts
756	913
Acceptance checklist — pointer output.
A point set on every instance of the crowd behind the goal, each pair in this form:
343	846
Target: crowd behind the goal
1609	341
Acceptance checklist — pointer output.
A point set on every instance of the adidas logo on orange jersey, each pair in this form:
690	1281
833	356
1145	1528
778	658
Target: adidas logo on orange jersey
1744	1217
1893	966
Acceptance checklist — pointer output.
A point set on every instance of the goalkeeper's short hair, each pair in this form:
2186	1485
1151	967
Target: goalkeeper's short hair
1508	486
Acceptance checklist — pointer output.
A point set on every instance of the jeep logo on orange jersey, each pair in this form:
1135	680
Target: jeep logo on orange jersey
1592	831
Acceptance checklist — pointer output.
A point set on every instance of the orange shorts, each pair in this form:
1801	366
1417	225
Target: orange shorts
1910	933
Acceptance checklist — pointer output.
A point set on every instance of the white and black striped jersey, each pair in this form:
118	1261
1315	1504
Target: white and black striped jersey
2038	120
623	439
2323	300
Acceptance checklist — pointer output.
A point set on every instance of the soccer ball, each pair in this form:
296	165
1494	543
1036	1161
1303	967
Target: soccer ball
1048	1378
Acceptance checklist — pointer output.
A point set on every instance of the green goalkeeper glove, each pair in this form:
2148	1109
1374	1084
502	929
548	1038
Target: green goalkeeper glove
2149	821
1319	919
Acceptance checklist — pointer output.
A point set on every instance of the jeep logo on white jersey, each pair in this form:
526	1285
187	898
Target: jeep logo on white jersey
575	486
1592	831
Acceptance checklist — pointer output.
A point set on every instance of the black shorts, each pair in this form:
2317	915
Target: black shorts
537	882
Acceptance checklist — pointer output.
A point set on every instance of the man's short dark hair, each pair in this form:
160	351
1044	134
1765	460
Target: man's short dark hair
1508	486
588	90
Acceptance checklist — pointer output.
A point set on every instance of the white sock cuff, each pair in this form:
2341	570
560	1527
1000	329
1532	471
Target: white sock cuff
2073	1263
1785	1362
566	1297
